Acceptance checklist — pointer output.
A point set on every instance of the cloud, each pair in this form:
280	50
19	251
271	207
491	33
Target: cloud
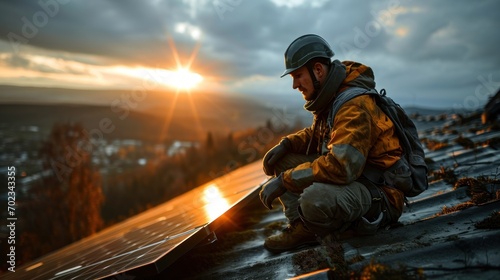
422	50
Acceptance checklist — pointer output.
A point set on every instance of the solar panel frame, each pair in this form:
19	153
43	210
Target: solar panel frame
149	242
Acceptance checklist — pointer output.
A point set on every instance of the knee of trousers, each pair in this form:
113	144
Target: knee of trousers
334	205
315	209
320	211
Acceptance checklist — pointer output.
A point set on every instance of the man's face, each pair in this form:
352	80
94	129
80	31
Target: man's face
302	82
302	79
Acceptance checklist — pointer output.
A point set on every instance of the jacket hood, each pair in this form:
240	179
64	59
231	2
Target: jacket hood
357	75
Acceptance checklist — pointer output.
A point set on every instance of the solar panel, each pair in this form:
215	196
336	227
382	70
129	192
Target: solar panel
151	241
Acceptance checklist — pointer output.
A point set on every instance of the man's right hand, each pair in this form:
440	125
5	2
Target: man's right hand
275	154
271	190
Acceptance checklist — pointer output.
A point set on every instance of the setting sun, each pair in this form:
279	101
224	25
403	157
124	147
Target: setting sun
183	79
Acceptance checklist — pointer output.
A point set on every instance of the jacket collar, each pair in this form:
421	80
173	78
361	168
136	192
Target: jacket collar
328	91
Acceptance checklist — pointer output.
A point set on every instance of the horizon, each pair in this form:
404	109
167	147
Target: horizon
297	102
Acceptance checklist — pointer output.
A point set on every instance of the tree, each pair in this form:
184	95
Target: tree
65	205
209	142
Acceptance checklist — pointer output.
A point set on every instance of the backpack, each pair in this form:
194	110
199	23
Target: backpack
408	174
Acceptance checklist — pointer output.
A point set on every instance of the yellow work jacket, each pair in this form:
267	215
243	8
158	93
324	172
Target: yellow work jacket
361	134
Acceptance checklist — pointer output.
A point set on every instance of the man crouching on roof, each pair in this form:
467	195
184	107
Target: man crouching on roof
318	170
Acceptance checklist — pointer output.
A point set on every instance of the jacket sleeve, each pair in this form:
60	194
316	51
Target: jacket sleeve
352	136
300	140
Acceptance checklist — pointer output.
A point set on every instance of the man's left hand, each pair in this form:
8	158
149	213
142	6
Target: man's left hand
271	190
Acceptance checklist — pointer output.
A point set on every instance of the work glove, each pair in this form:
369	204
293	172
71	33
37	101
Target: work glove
274	154
271	190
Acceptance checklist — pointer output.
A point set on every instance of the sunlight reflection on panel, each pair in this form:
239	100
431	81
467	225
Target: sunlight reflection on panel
215	205
151	241
37	265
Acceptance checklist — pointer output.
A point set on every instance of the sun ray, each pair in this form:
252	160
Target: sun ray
168	119
183	82
182	77
193	56
196	117
174	51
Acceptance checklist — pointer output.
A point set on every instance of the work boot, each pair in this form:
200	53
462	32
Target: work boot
293	236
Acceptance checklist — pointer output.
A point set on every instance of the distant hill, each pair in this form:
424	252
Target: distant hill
187	116
427	111
135	126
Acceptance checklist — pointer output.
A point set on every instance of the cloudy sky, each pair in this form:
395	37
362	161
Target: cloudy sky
428	53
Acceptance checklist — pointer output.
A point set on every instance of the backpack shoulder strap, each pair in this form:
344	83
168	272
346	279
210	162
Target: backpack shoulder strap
345	96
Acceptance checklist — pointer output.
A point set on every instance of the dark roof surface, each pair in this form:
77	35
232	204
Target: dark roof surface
444	245
179	239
